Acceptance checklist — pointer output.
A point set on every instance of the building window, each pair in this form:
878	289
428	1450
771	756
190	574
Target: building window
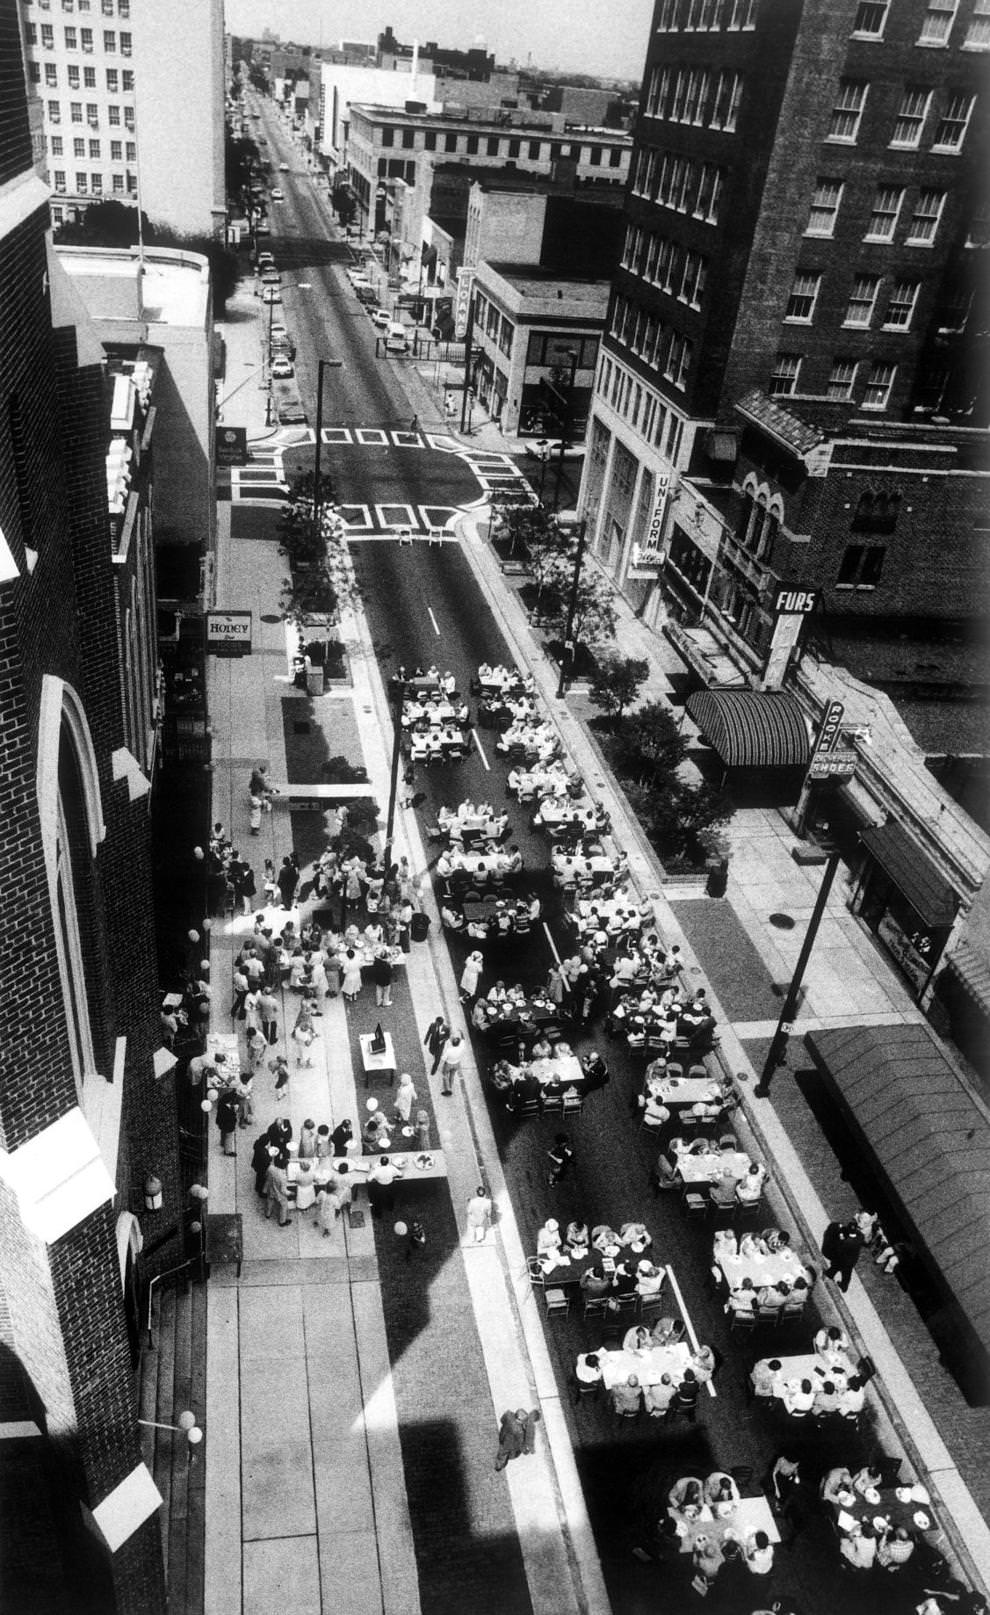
51	74
96	182
848	110
127	80
89	78
86	39
911	118
925	219
515	147
678	360
859	309
871	19
876	512
58	216
54	112
124	8
73	77
117	184
55	142
59	179
82	183
94	151
937	26
900	308
840	381
667	17
47	36
877	394
742	15
71	39
34	72
128	117
116	151
130	152
861	566
950	132
450	143
125	43
784	375
75	111
725	107
884	216
430	140
79	148
113	116
491	145
710	192
824	208
978	32
112	80
804	293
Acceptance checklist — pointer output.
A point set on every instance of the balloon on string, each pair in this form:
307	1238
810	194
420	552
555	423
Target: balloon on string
198	854
371	1104
401	1230
193	936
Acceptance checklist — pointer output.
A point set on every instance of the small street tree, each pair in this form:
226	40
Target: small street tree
616	684
594	617
321	578
648	744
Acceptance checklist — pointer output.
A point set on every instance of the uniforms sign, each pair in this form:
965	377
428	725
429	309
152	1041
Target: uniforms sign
228	633
646	559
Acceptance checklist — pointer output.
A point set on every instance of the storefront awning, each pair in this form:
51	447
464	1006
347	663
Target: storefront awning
752	728
912	872
929	1142
971	968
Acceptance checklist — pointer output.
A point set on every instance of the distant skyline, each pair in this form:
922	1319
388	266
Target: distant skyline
579	36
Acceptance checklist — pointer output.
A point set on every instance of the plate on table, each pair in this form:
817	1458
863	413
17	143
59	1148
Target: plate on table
424	1162
921	1520
407	1132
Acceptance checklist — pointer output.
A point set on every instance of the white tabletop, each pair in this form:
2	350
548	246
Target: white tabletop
649	1366
761	1269
750	1514
377	1062
709	1168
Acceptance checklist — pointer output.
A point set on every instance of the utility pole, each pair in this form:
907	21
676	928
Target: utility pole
395	713
468	338
775	1054
567	654
566	424
324	364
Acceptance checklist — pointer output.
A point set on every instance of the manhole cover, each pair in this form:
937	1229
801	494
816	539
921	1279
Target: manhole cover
783	922
300	728
270	616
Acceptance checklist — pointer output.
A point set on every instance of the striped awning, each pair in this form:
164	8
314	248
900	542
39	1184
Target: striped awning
752	728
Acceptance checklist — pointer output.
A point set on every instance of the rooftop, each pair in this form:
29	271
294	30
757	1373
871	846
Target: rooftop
779	422
173	289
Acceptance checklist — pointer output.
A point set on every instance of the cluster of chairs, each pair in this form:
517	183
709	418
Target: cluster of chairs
562	1104
614	1313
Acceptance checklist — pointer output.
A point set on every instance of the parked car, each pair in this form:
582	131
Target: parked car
271	294
366	296
278	195
396	339
270	276
380	317
284	167
282	367
290	411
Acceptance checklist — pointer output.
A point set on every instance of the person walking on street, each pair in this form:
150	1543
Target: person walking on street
452	1057
287	880
841	1245
516	1435
268	1012
560	1158
471	975
437	1034
479	1215
382	972
279	1068
351	983
261	1160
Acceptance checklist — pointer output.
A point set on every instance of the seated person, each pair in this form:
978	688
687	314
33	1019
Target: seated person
776	1240
376	1134
773	1295
649	1278
637	1339
636	1236
725	1243
831	1342
577	1239
594	1282
798	1396
627	1398
687	1497
481	1015
852	1399
827	1397
606	1240
837	1488
895	1549
588	1369
742	1298
594	1068
721	1493
526	1087
867	1479
655	1114
504	1075
664	1331
623	1281
858	1547
703	1363
723	1190
759	1554
548	1240
666	1172
657	1397
763	1376
450	918
750	1188
752	1245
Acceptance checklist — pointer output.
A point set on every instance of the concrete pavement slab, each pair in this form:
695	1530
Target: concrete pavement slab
282	1573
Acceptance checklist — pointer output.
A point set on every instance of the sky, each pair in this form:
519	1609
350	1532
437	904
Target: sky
607	40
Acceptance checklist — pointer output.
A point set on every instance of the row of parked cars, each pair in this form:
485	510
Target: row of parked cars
396	336
282	353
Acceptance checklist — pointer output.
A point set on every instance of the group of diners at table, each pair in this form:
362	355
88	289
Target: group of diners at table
433	718
823	1384
759	1276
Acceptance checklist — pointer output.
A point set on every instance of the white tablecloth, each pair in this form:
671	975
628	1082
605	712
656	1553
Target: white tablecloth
709	1168
649	1366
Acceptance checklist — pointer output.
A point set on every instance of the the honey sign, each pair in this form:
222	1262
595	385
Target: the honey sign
228	633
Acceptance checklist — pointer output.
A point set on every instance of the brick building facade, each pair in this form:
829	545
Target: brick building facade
87	1108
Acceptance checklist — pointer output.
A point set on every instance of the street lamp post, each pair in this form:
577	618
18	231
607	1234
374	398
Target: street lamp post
395	713
775	1053
567	652
542	452
566	424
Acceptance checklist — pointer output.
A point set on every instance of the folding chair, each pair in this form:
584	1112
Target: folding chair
557	1302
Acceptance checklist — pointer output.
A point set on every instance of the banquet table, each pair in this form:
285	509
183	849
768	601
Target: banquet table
541	780
649	1366
554	811
762	1270
565	1069
811	1365
708	1168
685	1090
433	712
491	862
358	1167
750	1514
570	866
225	1043
383	1063
896	1510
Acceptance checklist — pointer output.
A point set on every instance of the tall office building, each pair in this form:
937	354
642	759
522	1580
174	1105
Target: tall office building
788	390
87	1107
132	94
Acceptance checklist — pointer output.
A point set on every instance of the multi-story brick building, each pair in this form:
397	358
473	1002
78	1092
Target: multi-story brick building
787	391
87	1109
107	76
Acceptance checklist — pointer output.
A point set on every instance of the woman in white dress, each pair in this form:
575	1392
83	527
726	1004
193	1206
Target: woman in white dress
351	983
471	975
405	1098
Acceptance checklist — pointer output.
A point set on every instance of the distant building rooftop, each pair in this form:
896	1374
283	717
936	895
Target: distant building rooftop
779	422
172	289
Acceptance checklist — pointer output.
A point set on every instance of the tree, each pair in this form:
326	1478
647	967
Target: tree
616	684
107	224
528	527
648	744
258	79
322	578
594	618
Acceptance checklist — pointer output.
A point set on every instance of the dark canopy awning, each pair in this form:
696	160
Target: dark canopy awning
971	968
912	872
752	728
929	1142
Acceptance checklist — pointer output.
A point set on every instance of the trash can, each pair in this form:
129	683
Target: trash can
718	876
314	681
419	926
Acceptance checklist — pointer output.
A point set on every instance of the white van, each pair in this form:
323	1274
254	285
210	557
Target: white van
396	340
